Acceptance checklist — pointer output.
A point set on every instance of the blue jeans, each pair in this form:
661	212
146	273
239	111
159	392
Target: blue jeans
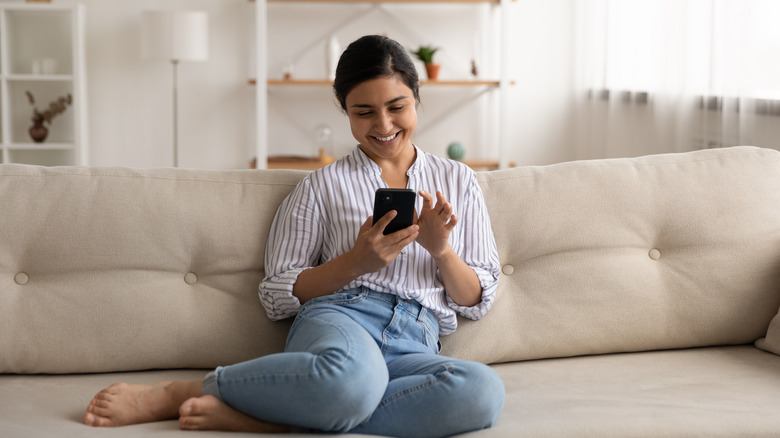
363	362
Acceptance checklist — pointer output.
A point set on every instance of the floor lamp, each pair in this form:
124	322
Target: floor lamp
175	36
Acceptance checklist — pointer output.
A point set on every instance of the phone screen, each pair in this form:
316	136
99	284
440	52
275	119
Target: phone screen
400	200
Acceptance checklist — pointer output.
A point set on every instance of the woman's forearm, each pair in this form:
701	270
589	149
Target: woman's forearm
325	278
460	281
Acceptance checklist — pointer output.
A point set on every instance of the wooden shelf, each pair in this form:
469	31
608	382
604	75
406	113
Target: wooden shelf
328	83
27	36
384	1
41	146
301	163
494	86
484	164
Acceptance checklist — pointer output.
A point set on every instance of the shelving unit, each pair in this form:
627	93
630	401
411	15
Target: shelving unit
42	52
495	86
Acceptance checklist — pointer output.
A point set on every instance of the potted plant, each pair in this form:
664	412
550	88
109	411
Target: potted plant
38	131
425	54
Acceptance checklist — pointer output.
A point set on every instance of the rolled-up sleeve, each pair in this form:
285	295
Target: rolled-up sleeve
293	246
478	250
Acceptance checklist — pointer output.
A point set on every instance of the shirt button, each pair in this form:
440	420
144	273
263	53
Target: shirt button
403	251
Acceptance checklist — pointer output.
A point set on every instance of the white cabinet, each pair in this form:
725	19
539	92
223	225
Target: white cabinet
42	61
301	21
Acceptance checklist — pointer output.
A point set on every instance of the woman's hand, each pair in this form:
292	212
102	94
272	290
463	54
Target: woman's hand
436	222
374	250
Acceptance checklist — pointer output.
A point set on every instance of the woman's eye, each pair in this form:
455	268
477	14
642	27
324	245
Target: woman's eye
396	108
364	113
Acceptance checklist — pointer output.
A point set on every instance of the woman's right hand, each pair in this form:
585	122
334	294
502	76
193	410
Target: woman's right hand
374	250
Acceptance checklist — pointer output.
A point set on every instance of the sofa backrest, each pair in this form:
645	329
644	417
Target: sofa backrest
113	269
657	252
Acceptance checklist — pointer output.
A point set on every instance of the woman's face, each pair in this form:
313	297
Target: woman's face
383	116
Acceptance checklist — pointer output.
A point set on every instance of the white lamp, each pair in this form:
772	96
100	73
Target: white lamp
175	36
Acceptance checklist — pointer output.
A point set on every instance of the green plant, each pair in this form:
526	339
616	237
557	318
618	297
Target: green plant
56	107
425	53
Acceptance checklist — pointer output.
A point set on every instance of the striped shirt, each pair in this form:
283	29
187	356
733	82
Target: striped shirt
321	217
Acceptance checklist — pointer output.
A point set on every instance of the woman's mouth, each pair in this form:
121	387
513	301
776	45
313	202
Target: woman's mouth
386	139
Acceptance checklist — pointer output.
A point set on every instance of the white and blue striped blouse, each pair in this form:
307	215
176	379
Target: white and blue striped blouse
321	217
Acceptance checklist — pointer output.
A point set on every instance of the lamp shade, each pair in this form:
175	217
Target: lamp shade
175	35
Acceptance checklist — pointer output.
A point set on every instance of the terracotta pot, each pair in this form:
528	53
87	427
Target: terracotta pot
433	71
38	132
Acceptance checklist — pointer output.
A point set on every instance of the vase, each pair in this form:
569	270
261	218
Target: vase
38	132
432	70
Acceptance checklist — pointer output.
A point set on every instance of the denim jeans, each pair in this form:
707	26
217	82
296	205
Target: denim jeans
363	362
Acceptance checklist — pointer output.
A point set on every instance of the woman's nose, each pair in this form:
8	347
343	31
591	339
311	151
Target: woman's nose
384	123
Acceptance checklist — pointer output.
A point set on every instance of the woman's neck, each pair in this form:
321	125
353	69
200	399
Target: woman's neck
394	169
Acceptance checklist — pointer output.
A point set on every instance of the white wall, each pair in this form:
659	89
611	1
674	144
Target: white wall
130	103
130	98
541	109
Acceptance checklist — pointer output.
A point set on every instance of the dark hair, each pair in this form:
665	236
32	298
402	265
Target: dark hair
371	57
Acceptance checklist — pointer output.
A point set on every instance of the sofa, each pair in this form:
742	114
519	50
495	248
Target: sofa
638	296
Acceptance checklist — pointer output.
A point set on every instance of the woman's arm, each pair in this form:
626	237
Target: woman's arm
372	251
436	222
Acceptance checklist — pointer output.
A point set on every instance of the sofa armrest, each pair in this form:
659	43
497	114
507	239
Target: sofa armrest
771	342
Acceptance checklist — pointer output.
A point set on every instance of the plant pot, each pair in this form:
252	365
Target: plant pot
432	70
38	132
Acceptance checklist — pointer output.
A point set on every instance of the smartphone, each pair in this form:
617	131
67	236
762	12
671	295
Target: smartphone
400	200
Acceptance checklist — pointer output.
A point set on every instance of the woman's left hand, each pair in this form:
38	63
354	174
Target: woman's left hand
436	222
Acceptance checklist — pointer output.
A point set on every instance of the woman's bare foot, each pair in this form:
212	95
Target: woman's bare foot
122	404
210	413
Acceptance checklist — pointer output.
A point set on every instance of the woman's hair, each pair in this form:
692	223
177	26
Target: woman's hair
371	57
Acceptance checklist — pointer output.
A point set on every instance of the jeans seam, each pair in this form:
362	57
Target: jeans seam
440	377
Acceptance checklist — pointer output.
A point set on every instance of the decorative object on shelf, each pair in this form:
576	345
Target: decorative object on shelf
175	36
288	71
425	54
46	66
38	131
323	138
474	69
456	151
332	54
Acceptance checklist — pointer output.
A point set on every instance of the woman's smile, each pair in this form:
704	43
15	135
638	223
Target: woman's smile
388	138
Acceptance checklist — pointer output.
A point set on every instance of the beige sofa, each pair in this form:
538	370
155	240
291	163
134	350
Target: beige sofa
632	293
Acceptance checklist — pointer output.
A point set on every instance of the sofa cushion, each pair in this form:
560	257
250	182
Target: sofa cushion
771	342
109	269
724	391
656	252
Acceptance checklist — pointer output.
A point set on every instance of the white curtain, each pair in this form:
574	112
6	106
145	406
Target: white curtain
659	76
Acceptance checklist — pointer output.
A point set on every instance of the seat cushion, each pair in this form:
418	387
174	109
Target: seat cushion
722	391
719	391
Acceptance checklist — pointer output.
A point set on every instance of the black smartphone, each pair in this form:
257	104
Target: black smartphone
400	200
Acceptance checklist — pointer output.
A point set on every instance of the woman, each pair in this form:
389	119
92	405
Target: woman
362	354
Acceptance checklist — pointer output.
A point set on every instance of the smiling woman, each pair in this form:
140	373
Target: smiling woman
369	307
